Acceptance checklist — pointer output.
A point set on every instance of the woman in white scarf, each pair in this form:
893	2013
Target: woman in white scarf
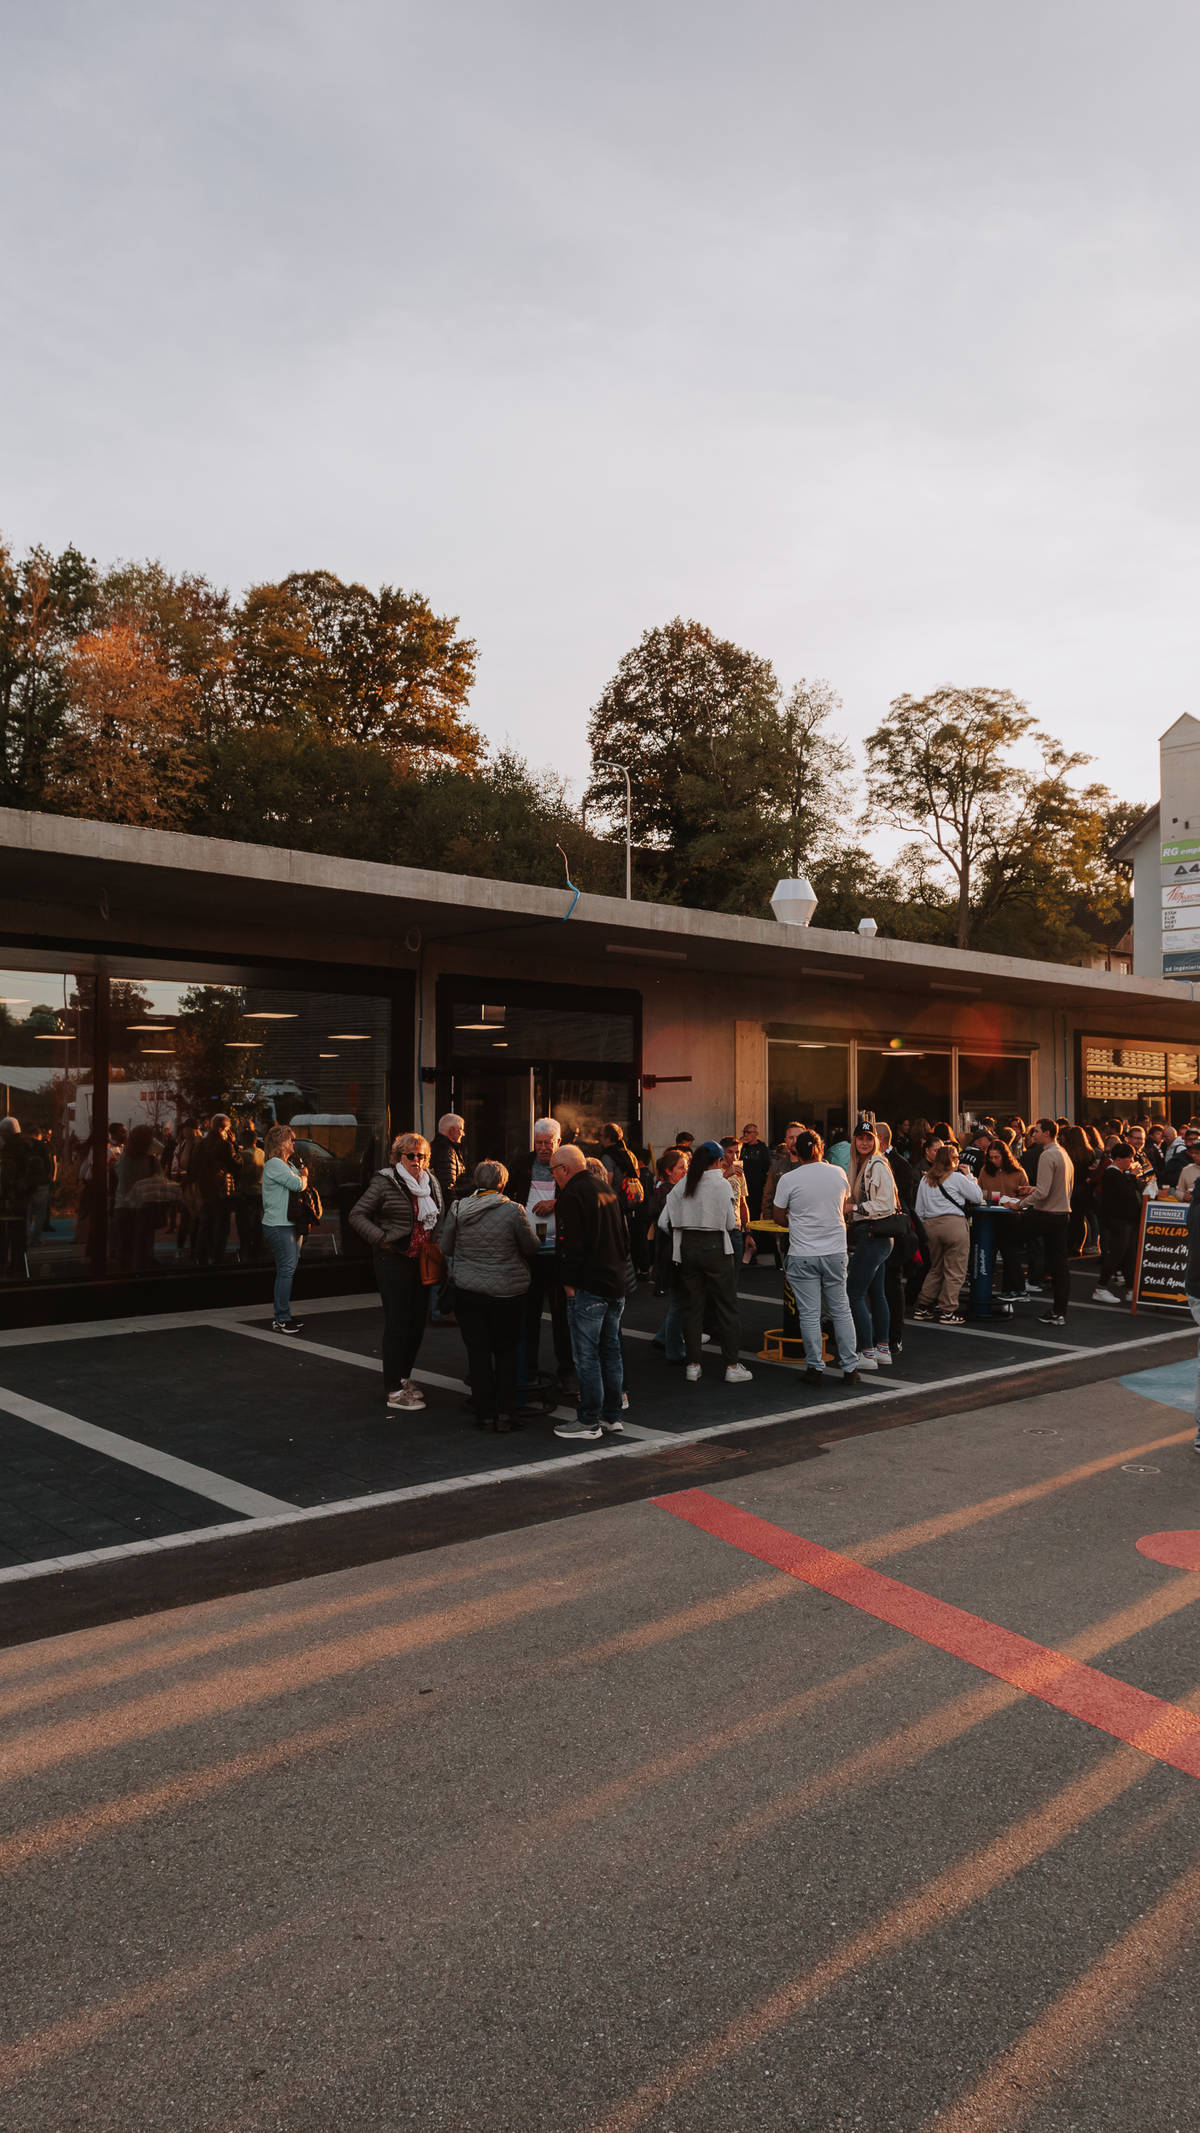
398	1205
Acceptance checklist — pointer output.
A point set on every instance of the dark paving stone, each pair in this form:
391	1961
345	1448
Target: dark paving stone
57	1498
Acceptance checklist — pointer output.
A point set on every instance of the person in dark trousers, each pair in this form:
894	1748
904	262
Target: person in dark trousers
1193	1289
489	1243
899	1260
398	1203
1121	1190
1046	1213
448	1162
212	1173
531	1185
701	1214
593	1252
756	1163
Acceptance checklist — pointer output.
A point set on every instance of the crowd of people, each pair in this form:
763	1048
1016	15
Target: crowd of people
871	1230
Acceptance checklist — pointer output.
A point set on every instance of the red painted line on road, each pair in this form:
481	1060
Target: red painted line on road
1162	1730
1180	1551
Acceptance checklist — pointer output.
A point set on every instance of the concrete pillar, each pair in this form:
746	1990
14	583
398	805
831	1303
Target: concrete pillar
750	1077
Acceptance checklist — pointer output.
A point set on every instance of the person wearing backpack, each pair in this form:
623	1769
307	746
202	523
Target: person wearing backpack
944	1195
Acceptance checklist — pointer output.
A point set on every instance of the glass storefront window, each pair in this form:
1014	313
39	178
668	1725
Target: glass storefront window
897	1084
1123	1081
990	1086
103	1182
810	1082
46	1180
184	1052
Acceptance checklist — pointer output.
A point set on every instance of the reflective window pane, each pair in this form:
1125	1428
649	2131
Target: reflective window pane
810	1082
46	1171
898	1084
991	1087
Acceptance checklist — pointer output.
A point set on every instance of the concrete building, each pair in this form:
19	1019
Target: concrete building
1164	850
146	976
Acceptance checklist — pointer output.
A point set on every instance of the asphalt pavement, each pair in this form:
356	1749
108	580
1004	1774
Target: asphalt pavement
615	1822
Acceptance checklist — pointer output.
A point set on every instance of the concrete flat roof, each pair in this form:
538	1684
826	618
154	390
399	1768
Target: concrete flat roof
110	888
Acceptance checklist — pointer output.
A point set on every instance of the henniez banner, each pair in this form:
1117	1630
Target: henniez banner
1161	1276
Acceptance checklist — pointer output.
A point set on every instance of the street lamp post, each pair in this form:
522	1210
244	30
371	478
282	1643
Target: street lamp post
628	827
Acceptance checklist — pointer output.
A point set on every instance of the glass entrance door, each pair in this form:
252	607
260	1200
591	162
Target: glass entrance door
499	1109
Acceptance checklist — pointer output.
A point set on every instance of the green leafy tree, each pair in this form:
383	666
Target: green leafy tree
45	601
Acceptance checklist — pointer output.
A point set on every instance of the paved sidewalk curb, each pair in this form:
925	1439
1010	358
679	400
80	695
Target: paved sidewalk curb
179	1571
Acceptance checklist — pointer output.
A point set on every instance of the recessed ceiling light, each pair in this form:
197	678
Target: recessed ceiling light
329	1055
350	1036
54	1036
153	1051
500	1045
157	1029
270	1014
242	1044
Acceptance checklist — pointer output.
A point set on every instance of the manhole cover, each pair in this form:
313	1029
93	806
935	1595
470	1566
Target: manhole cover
1141	1470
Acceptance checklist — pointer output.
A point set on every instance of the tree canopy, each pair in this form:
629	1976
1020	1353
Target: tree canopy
319	713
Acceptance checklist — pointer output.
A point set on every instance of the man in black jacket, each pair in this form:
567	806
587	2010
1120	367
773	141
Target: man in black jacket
448	1162
756	1162
593	1257
1120	1215
1193	1287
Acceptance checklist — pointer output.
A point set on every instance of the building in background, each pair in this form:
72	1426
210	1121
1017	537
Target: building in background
148	977
1164	852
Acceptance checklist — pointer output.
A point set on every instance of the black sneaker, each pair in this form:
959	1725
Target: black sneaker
287	1325
814	1377
851	1377
1052	1318
924	1316
952	1318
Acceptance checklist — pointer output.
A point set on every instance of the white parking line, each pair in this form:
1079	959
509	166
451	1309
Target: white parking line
199	1479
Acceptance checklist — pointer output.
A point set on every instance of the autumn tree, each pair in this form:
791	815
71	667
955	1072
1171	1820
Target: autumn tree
188	622
378	669
128	747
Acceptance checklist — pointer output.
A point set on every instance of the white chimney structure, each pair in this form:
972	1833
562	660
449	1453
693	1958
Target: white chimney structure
868	928
794	902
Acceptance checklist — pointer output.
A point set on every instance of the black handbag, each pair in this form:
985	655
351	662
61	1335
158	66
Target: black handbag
305	1210
897	1225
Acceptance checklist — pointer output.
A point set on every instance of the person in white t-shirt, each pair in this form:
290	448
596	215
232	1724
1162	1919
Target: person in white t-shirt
811	1201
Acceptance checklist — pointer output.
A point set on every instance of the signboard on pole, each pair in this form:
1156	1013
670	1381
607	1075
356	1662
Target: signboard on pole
1180	850
1180	895
1186	965
1161	1274
1181	929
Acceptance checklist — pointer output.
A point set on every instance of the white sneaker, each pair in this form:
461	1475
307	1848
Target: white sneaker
1106	1296
883	1354
737	1374
705	1339
692	1373
867	1360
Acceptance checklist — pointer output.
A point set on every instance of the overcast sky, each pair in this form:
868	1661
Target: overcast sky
866	334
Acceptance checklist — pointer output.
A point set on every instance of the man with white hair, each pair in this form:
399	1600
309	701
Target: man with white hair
448	1162
531	1183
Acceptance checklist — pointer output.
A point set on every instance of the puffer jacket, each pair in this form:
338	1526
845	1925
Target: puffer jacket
489	1242
384	1214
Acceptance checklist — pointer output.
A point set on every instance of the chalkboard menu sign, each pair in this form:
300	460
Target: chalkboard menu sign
1162	1255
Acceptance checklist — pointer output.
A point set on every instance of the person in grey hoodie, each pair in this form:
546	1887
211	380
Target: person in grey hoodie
490	1242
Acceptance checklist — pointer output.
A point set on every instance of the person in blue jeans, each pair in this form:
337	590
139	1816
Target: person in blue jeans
873	1199
279	1179
593	1252
810	1201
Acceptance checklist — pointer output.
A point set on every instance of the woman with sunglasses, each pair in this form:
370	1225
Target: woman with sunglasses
401	1205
